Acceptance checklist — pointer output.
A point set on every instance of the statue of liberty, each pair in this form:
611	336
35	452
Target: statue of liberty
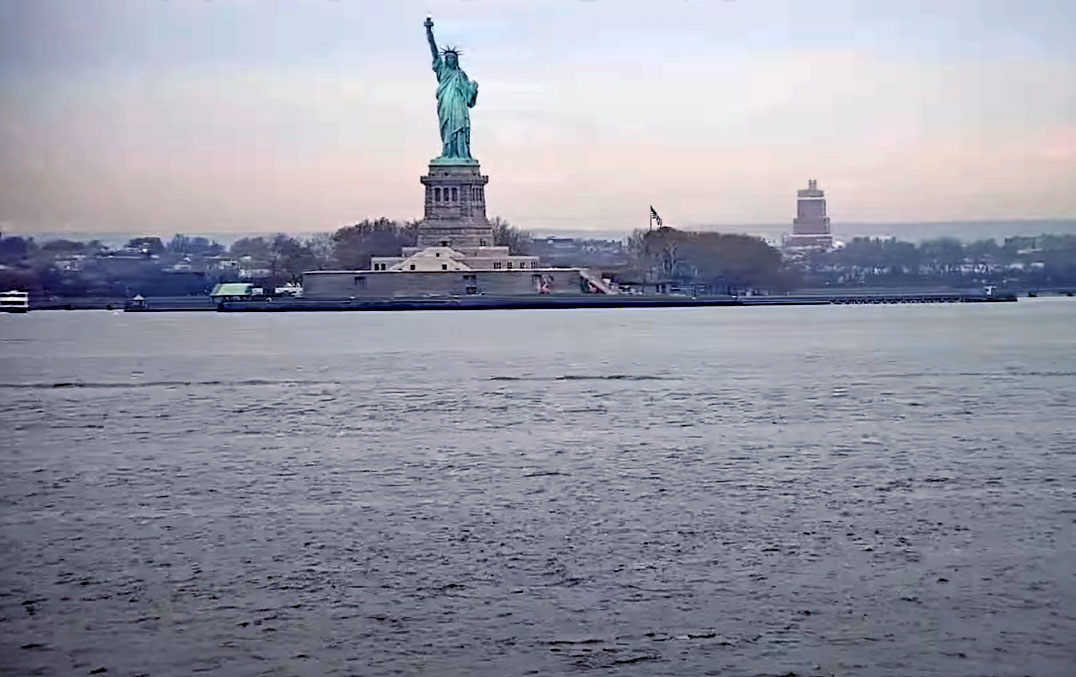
455	94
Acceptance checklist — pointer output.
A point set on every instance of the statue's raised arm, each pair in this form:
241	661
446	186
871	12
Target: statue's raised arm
429	37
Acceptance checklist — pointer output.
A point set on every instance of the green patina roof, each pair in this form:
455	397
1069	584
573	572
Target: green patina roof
232	289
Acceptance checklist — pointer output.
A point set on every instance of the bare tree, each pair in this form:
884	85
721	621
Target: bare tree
506	235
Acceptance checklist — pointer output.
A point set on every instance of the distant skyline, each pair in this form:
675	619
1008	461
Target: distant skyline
165	116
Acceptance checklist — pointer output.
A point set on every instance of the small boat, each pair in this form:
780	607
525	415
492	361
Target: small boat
14	302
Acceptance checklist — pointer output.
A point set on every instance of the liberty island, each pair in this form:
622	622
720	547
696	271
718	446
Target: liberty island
455	252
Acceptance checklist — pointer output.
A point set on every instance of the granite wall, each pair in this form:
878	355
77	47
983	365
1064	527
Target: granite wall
344	284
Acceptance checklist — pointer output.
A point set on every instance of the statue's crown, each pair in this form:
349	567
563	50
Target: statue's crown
451	50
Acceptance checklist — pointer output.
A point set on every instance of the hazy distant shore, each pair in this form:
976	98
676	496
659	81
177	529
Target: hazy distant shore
966	231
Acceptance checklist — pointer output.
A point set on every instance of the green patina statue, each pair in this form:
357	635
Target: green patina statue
455	94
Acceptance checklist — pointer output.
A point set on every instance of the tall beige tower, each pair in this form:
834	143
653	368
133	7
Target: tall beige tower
810	228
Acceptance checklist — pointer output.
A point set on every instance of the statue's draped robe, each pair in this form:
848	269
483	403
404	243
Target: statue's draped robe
455	94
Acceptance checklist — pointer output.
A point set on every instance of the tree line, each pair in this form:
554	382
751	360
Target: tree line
720	262
717	262
1020	262
186	265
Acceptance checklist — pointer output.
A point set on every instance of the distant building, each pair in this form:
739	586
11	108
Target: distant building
254	273
553	242
810	228
222	263
567	251
71	263
119	263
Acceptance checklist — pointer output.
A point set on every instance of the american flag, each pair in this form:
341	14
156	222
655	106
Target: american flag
654	215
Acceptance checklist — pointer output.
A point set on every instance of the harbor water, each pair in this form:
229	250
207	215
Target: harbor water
832	490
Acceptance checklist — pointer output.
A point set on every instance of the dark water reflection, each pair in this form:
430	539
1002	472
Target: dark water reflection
765	491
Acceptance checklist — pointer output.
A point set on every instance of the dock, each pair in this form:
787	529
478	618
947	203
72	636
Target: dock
533	302
609	301
552	301
880	296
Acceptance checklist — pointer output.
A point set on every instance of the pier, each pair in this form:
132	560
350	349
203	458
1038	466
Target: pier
881	296
611	301
482	302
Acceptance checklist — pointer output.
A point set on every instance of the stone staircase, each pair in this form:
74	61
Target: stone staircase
596	281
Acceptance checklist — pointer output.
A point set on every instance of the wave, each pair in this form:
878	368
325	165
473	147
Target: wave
582	377
161	384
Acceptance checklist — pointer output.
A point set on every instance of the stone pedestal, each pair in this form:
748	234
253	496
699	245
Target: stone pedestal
455	206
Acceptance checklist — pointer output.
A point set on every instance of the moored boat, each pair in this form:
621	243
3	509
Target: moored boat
14	302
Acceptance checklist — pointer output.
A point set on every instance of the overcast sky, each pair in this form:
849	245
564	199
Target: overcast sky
228	115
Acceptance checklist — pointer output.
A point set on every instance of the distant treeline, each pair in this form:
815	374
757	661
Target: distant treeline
714	261
719	262
1044	261
192	265
729	263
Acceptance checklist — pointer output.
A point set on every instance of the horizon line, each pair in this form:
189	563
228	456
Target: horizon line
8	231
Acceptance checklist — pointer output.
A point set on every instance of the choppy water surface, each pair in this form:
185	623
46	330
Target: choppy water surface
759	491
